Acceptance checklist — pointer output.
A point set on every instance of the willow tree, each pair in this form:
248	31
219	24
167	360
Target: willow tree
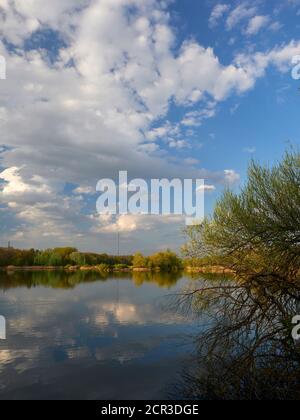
258	230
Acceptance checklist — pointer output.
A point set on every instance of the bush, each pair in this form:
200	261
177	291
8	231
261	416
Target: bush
258	230
105	268
120	266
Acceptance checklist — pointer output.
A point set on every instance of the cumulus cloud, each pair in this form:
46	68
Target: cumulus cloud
14	183
131	223
96	105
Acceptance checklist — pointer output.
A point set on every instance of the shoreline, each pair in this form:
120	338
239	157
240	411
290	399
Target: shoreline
210	269
72	269
33	268
75	268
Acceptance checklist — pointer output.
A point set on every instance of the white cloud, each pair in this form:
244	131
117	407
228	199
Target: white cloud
196	118
84	190
240	13
200	68
207	188
217	13
280	57
178	144
231	177
14	185
132	223
256	24
88	112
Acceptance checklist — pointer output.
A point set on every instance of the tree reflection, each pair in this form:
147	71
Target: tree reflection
161	279
67	280
52	279
245	350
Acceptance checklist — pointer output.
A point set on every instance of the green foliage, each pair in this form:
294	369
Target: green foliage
120	266
165	261
16	257
59	257
67	257
78	258
64	254
55	260
139	261
104	268
202	262
48	258
257	230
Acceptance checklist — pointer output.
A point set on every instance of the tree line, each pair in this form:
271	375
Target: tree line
68	257
57	257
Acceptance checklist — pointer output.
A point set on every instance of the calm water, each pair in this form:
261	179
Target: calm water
83	336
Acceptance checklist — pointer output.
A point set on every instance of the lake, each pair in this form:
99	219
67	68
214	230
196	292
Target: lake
137	336
87	336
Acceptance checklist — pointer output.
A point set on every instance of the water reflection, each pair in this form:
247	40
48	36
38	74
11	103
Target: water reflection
69	280
245	350
82	335
85	336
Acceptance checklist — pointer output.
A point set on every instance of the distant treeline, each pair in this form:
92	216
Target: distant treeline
58	257
68	256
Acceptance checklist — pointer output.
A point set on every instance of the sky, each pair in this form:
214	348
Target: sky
174	89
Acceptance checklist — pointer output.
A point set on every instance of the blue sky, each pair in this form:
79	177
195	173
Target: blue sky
159	88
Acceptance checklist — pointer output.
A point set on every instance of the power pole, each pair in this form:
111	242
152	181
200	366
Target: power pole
118	243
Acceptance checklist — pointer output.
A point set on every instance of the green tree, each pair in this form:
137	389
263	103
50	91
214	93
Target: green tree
139	261
78	258
65	253
55	260
48	258
165	261
258	230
